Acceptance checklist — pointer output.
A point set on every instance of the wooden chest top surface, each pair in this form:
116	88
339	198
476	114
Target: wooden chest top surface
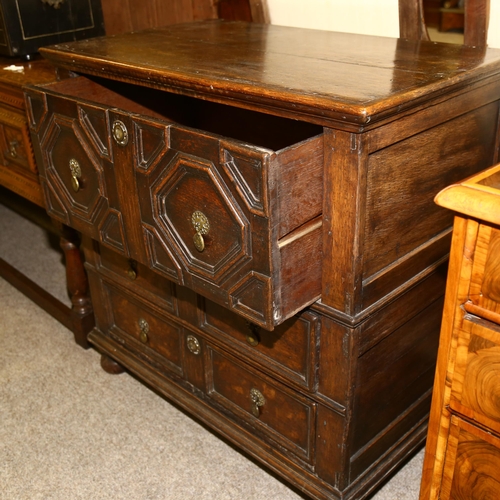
318	75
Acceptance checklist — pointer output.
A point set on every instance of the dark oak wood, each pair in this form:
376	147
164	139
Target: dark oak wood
315	157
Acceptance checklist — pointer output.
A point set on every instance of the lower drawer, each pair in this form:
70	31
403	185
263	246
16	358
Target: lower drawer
475	388
273	410
472	463
136	324
289	351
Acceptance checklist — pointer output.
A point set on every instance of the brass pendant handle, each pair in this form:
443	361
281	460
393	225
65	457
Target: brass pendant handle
76	174
144	327
132	270
202	227
13	148
257	401
120	133
193	344
252	335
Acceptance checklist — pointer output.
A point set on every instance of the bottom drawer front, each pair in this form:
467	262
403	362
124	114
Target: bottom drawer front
145	329
472	464
271	408
476	381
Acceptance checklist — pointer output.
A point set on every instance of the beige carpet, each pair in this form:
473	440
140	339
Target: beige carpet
70	431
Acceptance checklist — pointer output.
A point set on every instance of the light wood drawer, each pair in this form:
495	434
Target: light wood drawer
271	409
476	374
472	463
224	201
484	291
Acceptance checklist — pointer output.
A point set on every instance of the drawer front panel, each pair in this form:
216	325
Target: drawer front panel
144	329
476	377
484	292
193	215
15	142
78	174
289	350
270	408
139	277
238	223
472	463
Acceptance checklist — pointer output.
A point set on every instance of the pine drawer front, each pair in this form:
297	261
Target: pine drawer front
472	463
139	326
484	292
238	223
274	411
138	278
289	351
15	141
475	389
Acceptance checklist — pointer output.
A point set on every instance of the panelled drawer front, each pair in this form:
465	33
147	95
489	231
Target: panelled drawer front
473	462
139	277
77	172
208	208
143	329
289	350
238	223
476	378
272	409
15	142
484	291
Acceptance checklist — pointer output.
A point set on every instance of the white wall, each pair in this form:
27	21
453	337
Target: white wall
371	17
494	29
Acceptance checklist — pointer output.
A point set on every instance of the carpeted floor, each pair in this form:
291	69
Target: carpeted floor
71	431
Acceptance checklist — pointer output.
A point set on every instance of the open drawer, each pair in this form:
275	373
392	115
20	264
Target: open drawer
222	200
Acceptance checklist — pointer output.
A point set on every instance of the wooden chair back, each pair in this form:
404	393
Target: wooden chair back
412	23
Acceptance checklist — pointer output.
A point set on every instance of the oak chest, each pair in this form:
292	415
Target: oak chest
262	244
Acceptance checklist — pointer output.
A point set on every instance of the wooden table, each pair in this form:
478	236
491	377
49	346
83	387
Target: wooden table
462	458
263	247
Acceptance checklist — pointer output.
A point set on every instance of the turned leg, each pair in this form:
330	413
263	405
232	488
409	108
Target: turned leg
110	365
82	317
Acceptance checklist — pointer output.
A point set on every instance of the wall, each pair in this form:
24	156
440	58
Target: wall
372	17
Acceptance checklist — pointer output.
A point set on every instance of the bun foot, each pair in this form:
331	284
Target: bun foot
110	365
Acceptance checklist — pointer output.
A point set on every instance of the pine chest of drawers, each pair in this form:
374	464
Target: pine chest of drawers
262	244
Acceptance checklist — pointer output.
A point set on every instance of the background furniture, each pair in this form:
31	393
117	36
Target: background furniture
19	173
234	190
462	457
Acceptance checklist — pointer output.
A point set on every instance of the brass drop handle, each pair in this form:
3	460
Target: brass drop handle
144	327
132	270
120	133
193	344
202	227
253	335
13	148
257	401
76	174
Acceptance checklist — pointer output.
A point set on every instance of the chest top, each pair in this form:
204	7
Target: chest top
317	76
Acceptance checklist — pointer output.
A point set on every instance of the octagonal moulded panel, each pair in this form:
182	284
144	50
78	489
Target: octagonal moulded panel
68	156
193	191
